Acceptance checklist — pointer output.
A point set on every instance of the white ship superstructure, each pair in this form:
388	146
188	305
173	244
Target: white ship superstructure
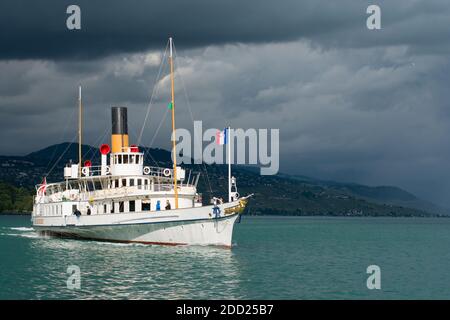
124	200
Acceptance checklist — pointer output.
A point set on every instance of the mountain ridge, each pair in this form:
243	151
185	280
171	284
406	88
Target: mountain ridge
280	194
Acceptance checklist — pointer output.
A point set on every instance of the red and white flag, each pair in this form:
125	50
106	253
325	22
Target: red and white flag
43	187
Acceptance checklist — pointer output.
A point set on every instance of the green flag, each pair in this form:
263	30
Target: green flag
170	106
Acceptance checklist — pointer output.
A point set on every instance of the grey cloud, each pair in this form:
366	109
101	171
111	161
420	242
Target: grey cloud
38	29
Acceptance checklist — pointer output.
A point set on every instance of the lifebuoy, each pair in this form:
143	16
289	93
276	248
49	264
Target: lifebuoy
236	195
146	170
107	170
85	171
166	172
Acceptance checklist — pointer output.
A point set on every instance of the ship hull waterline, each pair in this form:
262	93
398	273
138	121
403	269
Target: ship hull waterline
174	227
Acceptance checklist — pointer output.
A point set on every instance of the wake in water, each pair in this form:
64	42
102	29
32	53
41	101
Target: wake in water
26	232
22	229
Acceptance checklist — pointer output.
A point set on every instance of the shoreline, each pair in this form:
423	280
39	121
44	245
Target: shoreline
284	216
15	214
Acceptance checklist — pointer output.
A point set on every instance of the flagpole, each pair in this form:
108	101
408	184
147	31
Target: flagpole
229	162
173	126
79	130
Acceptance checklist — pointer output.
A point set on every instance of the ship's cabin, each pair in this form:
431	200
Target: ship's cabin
127	158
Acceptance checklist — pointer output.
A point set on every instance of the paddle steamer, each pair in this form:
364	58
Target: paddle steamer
124	200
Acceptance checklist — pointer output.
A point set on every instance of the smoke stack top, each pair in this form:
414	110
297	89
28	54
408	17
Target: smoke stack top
119	129
119	120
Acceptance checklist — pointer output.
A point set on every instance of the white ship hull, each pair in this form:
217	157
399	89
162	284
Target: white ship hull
190	226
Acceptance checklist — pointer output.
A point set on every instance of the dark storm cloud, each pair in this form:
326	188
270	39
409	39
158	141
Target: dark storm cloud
37	29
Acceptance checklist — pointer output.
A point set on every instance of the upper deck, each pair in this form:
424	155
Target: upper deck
155	181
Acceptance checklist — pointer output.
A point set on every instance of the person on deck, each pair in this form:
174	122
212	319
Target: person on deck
168	205
77	212
88	212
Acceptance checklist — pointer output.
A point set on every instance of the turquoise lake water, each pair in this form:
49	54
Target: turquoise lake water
272	258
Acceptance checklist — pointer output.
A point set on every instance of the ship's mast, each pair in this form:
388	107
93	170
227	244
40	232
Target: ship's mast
174	150
80	110
228	136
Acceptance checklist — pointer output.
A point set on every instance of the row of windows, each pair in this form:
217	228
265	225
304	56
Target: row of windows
117	183
116	207
127	159
127	206
52	210
112	207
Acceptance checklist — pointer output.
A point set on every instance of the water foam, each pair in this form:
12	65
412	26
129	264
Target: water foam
22	229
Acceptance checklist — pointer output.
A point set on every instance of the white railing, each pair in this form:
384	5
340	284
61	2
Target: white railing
164	173
126	191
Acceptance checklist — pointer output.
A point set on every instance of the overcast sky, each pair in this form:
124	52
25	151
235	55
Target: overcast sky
352	104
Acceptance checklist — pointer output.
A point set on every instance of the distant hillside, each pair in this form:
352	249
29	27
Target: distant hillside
281	194
378	194
15	200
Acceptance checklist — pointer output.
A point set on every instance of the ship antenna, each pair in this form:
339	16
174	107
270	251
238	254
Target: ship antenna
174	150
80	110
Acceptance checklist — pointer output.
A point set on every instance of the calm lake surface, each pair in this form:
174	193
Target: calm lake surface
272	258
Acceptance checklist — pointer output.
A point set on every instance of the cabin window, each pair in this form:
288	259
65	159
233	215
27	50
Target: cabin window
145	206
105	208
124	182
131	182
125	158
132	206
112	207
121	206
